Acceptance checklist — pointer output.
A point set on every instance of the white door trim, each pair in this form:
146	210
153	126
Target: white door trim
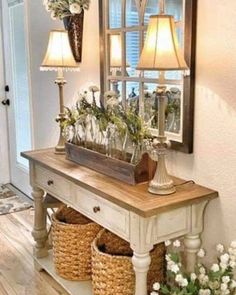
4	144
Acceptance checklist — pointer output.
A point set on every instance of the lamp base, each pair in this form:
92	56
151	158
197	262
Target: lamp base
60	148
161	189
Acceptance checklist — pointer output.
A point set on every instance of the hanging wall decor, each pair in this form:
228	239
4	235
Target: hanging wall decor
74	25
72	14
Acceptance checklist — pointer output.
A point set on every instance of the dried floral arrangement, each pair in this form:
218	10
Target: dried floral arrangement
63	8
218	279
108	128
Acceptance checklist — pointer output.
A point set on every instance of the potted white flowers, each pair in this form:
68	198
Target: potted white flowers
218	279
72	14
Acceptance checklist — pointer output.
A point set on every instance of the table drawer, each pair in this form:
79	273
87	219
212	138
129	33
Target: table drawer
52	183
101	211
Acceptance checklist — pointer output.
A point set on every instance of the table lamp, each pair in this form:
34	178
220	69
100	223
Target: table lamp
116	59
161	52
59	57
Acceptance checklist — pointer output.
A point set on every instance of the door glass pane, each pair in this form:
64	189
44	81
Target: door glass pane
115	13
132	16
132	52
152	7
175	8
20	81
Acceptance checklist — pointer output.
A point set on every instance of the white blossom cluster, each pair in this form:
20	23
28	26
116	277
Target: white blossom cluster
217	280
62	8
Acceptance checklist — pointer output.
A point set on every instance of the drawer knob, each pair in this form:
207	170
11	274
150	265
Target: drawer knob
96	209
50	182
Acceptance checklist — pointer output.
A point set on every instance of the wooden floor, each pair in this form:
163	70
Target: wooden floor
17	274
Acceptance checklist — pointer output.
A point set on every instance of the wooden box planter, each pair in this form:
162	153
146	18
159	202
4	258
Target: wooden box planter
124	171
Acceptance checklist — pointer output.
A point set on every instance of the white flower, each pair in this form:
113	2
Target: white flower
215	267
223	265
202	270
223	287
201	253
168	257
233	284
193	277
75	8
204	292
53	15
184	283
174	268
156	286
154	293
233	244
93	88
226	279
220	248
232	264
111	102
177	244
224	258
110	94
203	279
167	243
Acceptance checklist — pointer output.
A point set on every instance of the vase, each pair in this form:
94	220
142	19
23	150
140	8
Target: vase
74	25
137	153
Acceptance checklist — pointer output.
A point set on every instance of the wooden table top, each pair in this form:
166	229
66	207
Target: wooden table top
134	198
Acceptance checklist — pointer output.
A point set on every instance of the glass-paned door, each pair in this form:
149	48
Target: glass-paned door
17	76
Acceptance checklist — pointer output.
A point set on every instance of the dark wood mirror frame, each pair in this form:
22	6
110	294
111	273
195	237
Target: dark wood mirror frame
186	146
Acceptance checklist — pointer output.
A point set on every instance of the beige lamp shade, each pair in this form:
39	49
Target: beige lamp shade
59	54
116	51
161	49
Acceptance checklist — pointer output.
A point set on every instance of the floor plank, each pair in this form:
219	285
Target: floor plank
17	273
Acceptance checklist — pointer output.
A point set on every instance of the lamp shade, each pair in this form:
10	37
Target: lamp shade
59	54
161	49
115	51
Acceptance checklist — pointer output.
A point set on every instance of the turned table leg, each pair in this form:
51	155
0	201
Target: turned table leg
40	224
192	245
141	263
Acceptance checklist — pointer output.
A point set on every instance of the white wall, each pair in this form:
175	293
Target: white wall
45	92
213	163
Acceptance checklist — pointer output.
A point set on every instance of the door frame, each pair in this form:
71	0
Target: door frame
9	76
4	145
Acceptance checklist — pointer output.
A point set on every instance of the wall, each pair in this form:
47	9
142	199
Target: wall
44	91
213	163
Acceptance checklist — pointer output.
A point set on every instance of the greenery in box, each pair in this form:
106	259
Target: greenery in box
109	128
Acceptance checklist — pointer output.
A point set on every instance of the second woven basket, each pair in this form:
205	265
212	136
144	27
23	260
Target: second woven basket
112	269
72	235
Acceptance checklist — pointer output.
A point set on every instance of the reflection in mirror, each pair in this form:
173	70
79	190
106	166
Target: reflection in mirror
152	7
132	53
127	21
132	15
132	93
173	107
116	85
115	7
115	55
175	8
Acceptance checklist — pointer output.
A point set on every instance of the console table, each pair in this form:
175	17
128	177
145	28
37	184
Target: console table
128	211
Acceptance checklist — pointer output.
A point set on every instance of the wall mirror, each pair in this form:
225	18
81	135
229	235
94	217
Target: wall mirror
123	26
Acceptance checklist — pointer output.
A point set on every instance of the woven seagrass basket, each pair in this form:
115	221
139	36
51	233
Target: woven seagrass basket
72	235
112	269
